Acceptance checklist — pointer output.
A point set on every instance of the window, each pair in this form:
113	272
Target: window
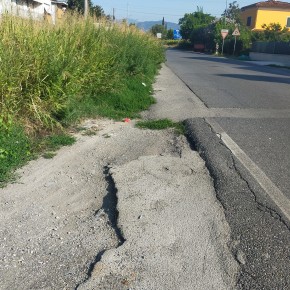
288	22
249	21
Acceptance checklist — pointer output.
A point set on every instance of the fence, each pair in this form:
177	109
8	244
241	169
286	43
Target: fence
271	47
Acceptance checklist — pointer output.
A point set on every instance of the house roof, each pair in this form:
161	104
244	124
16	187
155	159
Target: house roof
268	4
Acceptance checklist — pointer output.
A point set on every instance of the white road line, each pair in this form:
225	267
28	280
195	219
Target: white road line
270	188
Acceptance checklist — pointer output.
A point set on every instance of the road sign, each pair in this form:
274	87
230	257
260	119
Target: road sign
224	33
176	34
236	32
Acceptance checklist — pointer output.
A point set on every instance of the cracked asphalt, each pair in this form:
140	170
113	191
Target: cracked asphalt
260	236
138	209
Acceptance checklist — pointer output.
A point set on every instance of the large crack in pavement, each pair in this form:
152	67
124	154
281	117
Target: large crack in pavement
110	202
174	239
259	240
108	209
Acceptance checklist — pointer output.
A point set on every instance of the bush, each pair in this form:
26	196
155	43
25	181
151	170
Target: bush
171	42
185	44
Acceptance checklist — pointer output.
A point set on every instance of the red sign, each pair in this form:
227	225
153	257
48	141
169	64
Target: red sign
224	33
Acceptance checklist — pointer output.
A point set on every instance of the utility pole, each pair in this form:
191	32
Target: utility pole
226	11
86	12
127	13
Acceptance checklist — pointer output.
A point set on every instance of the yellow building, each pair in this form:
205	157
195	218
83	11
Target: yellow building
255	15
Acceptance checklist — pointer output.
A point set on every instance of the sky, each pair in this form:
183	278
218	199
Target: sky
171	10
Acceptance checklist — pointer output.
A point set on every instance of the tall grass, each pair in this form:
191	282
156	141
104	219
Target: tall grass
46	69
54	75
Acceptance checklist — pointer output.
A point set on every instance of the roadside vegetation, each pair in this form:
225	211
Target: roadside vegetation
162	124
202	31
53	76
200	27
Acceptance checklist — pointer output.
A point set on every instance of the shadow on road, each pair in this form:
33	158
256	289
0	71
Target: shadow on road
258	78
240	64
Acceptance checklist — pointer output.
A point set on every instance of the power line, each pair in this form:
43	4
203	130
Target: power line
162	14
150	13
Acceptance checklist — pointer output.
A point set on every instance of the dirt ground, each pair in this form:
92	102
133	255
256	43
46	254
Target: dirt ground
52	228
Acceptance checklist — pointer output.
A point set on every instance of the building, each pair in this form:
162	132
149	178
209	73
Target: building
255	15
52	10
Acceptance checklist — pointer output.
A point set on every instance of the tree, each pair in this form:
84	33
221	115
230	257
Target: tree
97	11
203	28
186	25
233	13
158	28
243	42
79	6
204	34
275	32
169	34
194	21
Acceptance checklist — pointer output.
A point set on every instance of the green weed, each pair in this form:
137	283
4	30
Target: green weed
48	155
89	133
161	124
15	150
54	142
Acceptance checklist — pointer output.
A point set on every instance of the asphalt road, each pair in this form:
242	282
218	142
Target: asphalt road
246	150
250	102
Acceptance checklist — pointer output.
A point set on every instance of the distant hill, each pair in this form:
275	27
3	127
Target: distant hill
146	25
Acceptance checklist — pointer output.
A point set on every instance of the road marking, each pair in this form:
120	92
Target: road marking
270	188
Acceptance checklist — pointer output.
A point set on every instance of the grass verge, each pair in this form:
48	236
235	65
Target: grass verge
132	96
53	76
